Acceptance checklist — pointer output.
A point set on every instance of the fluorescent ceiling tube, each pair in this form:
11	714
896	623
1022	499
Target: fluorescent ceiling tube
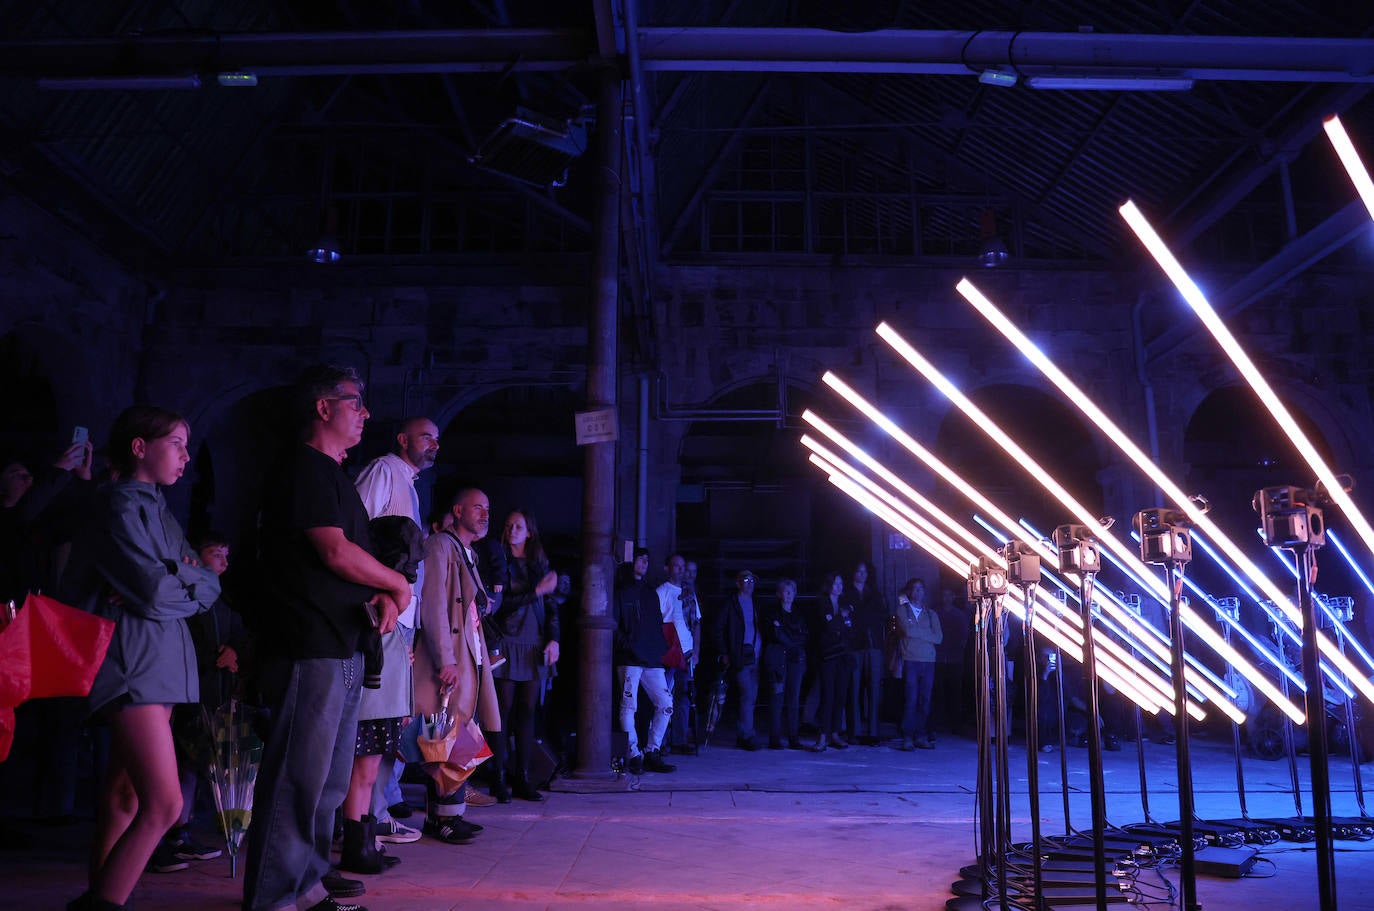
1110	83
1354	166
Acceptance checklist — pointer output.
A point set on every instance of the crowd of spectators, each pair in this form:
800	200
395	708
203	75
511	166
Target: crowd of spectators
348	618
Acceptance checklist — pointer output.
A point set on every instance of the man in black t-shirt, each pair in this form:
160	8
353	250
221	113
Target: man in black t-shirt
320	587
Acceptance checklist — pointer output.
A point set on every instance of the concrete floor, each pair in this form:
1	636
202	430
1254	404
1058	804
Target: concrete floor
862	829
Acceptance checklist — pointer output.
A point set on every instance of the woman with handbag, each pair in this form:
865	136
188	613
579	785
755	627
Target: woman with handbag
132	565
529	633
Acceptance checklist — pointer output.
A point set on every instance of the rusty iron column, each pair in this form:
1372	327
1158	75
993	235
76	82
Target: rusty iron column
596	702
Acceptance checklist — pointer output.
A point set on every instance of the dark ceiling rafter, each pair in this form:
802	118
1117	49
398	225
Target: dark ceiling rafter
799	50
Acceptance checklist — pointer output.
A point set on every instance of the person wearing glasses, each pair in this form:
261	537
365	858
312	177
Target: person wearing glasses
738	642
317	578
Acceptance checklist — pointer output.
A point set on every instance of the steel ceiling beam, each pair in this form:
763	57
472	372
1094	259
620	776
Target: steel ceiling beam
800	50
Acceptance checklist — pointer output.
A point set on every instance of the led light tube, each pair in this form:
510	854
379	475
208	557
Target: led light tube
1109	671
928	458
832	463
1354	166
1200	628
1089	408
1331	536
1335	678
1195	299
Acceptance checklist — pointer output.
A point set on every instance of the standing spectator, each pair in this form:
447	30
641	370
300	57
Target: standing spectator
530	629
784	663
832	628
949	701
639	648
219	637
387	488
317	573
921	635
676	627
452	663
685	683
132	565
866	657
738	644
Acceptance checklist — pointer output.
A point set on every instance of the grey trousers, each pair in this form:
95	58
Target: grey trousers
306	764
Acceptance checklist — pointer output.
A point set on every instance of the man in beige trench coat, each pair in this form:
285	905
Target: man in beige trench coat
452	652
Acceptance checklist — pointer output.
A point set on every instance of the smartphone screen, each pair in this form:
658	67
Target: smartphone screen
80	435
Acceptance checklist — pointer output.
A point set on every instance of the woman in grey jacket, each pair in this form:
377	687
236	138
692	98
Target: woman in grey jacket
132	564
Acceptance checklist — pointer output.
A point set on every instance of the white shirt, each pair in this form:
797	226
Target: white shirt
387	488
670	606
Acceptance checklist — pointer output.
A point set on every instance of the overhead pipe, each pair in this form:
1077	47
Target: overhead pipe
801	50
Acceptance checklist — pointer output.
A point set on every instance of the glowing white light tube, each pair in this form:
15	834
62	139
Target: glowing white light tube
834	464
1049	554
1195	299
1084	403
1335	678
1126	680
1199	627
1354	166
1331	536
1155	642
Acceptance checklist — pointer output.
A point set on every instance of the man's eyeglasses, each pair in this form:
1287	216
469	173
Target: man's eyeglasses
354	401
748	580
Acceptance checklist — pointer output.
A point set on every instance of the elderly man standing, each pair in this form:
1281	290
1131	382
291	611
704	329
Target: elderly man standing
317	575
452	660
387	488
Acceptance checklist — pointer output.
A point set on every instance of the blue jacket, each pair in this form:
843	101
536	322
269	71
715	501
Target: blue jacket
127	565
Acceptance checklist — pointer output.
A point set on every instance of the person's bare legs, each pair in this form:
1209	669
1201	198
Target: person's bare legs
358	801
142	756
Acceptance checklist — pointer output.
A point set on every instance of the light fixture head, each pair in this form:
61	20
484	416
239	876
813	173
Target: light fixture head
996	75
326	250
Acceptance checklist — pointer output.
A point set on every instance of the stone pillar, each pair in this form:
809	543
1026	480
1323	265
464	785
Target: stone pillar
596	699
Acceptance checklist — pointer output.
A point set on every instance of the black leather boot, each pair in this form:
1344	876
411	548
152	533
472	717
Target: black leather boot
360	854
500	788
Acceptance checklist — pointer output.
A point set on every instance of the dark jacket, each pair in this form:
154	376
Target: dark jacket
521	579
870	617
727	632
639	639
831	629
785	635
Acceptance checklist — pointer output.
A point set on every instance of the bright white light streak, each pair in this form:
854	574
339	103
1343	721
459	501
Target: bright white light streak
1200	627
1123	442
1127	680
1331	536
832	463
1156	643
1354	166
1193	295
930	460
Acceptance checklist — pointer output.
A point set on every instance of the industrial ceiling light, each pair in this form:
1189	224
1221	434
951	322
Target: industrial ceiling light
992	250
327	250
185	82
1110	83
998	75
533	148
1354	166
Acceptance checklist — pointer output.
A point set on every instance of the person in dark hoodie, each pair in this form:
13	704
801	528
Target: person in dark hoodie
639	648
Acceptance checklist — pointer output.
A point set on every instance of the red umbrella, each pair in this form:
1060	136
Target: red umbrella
48	649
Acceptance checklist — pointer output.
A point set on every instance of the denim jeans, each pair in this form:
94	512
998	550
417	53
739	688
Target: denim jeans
865	692
306	763
917	677
747	685
784	702
655	683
